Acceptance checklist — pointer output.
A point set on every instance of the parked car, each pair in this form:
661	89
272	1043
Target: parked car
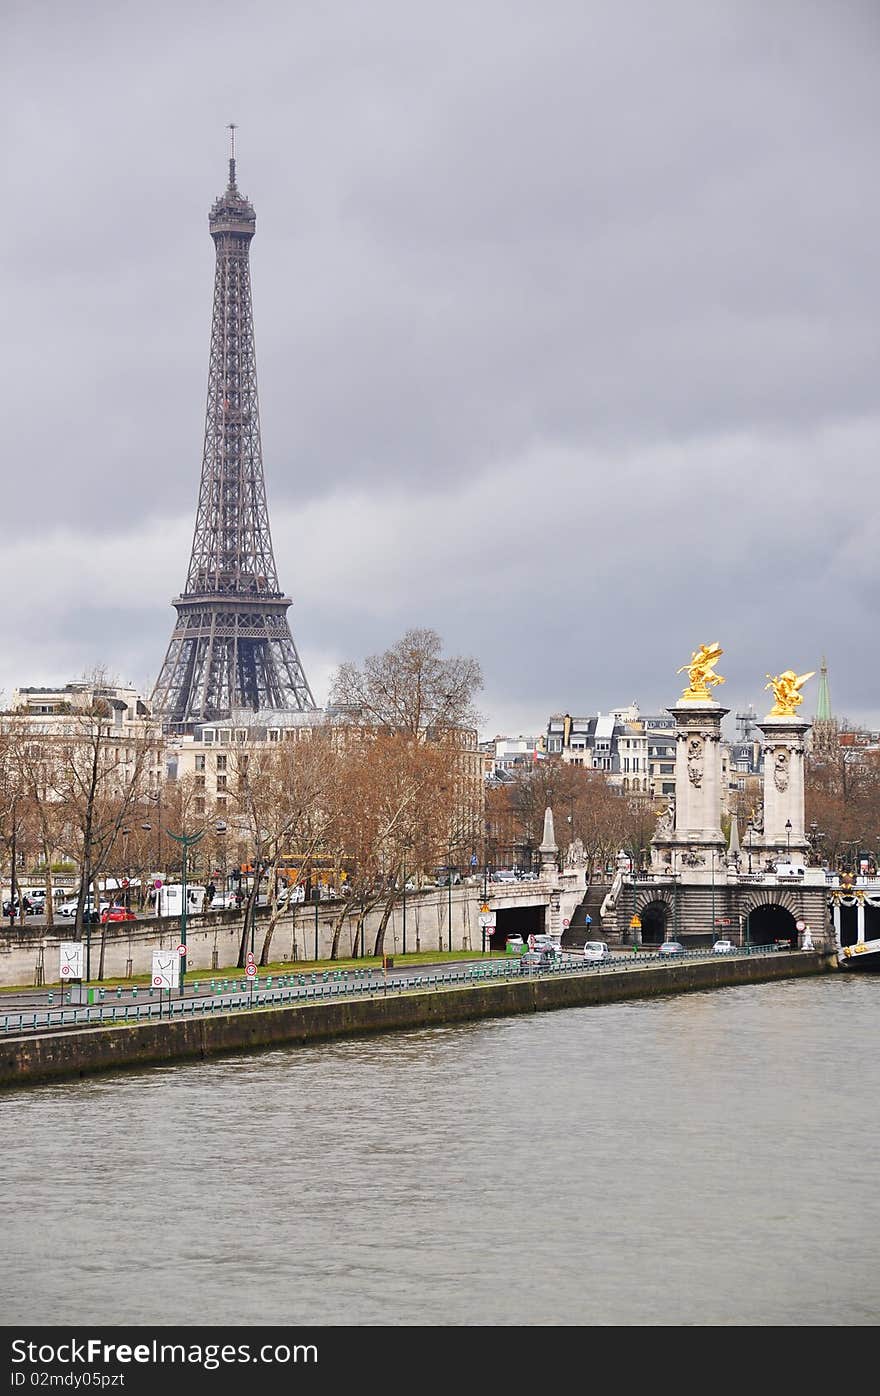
782	945
224	901
671	947
536	959
291	895
503	875
514	945
69	909
722	947
117	913
595	950
447	875
543	942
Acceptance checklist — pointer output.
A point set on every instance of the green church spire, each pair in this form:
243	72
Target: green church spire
823	702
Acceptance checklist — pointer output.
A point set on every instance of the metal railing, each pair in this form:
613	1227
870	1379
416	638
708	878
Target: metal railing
237	995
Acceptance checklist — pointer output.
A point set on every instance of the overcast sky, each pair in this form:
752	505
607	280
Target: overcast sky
567	334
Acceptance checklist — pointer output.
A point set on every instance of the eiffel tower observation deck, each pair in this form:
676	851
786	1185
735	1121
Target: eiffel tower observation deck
231	649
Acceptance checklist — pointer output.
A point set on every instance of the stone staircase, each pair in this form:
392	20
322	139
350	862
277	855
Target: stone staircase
578	931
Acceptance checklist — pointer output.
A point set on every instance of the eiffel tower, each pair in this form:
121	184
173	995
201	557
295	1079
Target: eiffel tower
231	648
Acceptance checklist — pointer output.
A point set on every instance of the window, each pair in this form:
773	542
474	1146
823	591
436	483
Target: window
208	735
200	763
200	780
220	805
221	763
199	804
273	735
221	782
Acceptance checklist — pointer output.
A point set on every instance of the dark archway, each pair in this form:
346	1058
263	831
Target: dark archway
770	922
516	920
655	921
849	924
872	922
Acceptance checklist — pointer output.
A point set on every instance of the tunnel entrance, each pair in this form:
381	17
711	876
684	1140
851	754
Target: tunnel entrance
768	923
516	920
655	918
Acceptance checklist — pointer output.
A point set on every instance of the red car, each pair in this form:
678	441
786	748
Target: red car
117	913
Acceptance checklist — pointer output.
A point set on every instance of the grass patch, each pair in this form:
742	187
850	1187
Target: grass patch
274	968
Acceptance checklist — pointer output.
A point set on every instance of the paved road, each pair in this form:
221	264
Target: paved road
40	1010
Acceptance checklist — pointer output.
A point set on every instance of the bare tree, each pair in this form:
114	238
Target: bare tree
411	687
97	777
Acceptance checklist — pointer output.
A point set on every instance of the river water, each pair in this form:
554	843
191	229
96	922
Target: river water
708	1159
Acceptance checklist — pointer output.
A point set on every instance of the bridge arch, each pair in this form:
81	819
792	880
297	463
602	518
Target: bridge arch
771	919
655	917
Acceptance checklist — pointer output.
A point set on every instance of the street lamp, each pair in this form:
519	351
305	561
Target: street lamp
712	851
316	898
186	841
788	838
125	877
749	832
449	895
156	799
12	882
403	872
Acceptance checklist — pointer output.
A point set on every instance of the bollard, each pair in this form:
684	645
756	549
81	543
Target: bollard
195	987
119	991
101	995
269	982
134	991
213	987
51	998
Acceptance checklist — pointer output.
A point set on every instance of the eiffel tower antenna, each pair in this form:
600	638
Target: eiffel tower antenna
231	648
231	128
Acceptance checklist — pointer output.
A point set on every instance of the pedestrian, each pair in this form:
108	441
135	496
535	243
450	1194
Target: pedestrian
209	893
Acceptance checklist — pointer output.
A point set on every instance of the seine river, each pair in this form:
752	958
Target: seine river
708	1159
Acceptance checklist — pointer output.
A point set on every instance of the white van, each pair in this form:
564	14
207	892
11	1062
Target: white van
595	950
789	870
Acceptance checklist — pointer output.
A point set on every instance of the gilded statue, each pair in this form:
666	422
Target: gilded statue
700	672
786	690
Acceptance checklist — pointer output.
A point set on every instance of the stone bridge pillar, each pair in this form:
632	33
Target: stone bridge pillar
784	787
691	831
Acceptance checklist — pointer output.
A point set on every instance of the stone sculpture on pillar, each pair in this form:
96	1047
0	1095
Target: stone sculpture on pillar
784	732
700	672
690	831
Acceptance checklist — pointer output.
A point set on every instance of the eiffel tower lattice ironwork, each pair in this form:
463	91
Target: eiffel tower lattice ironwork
232	648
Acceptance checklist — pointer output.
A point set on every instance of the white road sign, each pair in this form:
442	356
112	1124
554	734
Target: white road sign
166	969
72	955
487	919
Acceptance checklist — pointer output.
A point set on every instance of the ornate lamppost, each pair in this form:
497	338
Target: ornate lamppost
186	841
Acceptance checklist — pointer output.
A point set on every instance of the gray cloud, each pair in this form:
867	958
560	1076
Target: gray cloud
566	333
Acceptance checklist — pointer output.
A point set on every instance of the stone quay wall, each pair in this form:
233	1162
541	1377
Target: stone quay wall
30	1058
29	955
